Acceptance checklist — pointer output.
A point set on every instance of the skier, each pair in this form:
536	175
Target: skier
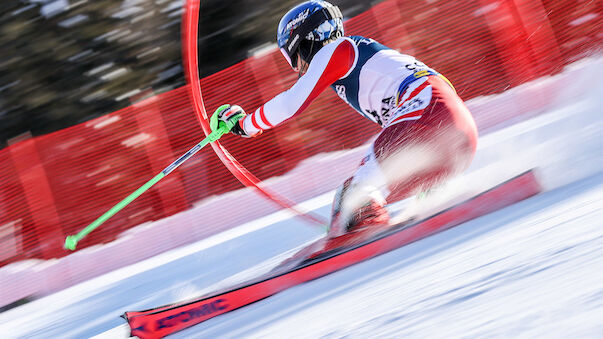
427	135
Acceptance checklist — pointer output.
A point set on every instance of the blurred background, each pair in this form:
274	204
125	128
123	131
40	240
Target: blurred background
93	103
66	62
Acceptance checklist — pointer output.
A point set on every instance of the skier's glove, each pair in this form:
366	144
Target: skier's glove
229	114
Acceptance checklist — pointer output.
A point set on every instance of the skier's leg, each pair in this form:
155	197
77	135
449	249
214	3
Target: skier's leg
407	158
418	155
360	198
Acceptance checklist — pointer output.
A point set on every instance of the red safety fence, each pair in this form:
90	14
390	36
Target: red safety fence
54	185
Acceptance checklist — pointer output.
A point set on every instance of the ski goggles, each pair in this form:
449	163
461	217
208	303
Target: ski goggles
292	60
296	36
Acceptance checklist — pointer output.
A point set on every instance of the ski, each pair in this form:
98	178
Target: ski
325	257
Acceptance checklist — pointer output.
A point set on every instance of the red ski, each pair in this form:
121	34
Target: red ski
324	257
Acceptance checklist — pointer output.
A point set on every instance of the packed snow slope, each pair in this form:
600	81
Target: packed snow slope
530	270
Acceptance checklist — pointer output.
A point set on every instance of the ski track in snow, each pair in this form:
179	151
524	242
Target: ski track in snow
529	270
534	269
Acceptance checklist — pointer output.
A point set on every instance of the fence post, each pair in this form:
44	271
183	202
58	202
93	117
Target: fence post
40	200
540	36
160	154
514	53
267	83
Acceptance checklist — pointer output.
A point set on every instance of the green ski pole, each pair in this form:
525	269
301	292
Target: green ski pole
223	128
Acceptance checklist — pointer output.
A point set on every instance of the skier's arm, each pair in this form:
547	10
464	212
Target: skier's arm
332	62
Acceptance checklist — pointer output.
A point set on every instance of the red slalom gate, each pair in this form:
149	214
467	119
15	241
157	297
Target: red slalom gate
189	46
165	320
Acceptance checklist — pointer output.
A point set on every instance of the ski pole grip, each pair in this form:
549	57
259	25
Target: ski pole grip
223	128
215	135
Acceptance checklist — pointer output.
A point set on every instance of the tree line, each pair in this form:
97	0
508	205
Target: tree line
65	62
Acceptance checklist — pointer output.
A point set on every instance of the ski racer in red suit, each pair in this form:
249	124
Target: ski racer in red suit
427	135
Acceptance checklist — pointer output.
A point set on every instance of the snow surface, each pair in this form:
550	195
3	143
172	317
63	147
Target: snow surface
534	269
